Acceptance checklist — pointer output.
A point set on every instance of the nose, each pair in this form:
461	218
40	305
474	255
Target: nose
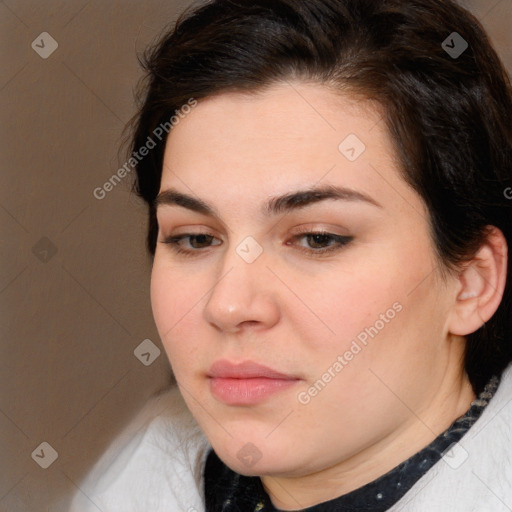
243	297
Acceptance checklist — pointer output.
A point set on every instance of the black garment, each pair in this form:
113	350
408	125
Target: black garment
227	491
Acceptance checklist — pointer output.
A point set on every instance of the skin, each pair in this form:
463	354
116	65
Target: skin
295	311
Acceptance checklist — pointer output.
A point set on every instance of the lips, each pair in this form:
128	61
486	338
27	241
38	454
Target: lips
246	370
247	383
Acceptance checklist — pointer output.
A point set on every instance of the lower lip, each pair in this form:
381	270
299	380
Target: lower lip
247	391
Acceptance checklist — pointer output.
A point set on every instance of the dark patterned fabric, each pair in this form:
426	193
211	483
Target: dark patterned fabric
227	491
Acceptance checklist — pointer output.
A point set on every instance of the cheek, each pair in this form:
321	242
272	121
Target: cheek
344	303
387	330
175	309
373	306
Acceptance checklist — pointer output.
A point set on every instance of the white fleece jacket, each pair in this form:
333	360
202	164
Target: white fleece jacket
156	465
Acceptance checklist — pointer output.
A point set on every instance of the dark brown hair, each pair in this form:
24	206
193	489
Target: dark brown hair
449	115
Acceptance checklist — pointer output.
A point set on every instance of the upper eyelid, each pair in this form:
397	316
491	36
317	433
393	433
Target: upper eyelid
308	231
303	227
170	221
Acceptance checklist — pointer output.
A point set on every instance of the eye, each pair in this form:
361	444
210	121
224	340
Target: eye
200	241
318	243
191	242
313	243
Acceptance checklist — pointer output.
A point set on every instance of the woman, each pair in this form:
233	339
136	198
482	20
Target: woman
329	223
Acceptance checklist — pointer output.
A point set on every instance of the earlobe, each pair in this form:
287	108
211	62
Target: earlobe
481	286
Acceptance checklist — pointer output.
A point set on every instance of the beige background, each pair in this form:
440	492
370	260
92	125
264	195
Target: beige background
70	321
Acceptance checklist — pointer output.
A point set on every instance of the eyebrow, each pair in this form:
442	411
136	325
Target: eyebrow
275	205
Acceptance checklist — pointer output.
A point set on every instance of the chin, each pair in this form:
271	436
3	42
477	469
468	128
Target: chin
258	458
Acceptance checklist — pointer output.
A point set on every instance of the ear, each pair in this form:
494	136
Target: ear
481	285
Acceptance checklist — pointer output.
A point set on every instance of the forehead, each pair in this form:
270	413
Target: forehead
290	111
288	136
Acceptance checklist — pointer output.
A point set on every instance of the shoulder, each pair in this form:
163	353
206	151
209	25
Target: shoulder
476	474
155	464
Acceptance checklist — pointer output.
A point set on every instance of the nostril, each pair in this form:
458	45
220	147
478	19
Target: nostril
249	323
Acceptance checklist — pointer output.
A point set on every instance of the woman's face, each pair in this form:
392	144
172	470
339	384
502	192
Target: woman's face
348	325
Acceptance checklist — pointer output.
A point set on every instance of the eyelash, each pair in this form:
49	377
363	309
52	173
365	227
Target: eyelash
340	241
